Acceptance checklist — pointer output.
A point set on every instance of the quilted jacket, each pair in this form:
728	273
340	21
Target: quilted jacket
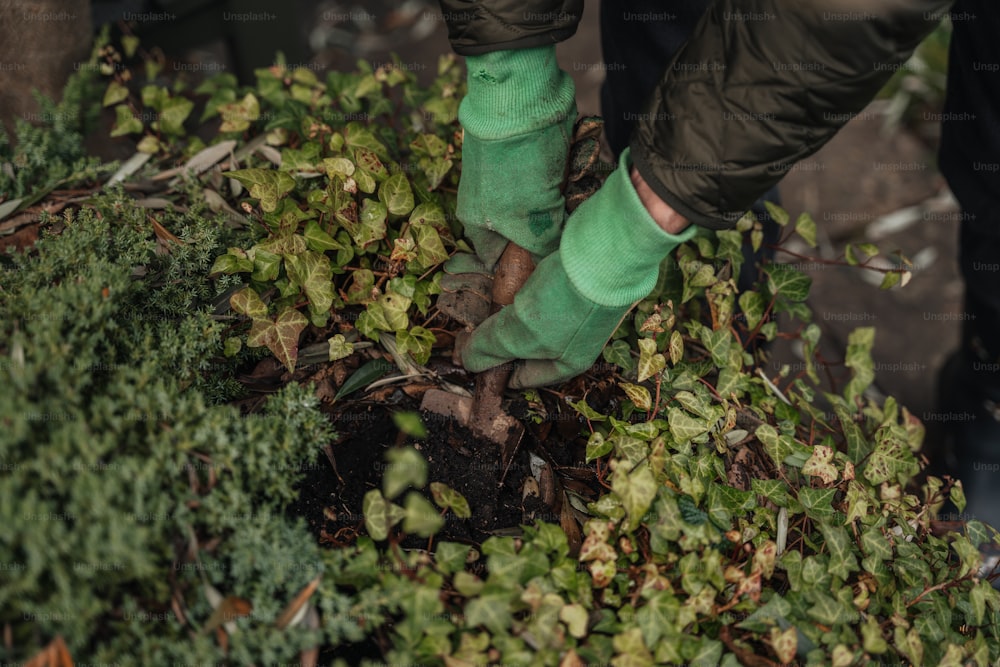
760	85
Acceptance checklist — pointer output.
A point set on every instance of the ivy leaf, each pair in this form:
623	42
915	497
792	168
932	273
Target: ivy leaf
429	145
785	643
371	226
312	272
421	517
636	491
752	305
587	412
339	347
360	288
892	460
450	556
237	116
683	426
779	214
338	167
396	194
650	362
639	395
369	170
859	360
125	122
788	282
281	336
417	341
690	512
874	543
576	618
657	616
380	515
820	464
405	467
598	446
266	264
230	263
871	637
630	450
115	93
435	169
828	611
430	249
805	226
618	352
630	650
247	302
448	498
129	44
859	497
717	343
303	159
841	549
267	185
358	136
957	495
818	503
409	423
173	114
676	347
232	346
490	610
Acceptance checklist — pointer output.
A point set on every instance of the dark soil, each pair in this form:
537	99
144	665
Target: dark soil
331	493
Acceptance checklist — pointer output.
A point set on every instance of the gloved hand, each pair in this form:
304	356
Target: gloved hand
571	305
518	119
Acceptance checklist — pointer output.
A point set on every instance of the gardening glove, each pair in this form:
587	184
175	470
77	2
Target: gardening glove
571	305
518	119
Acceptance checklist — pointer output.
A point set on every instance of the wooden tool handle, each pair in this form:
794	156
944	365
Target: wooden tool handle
512	272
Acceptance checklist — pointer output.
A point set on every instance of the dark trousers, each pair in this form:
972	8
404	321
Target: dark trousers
970	160
639	39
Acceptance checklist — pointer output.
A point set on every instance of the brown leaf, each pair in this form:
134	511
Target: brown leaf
54	655
570	526
162	233
229	609
288	614
571	659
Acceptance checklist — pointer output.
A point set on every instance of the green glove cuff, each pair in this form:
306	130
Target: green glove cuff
611	247
516	92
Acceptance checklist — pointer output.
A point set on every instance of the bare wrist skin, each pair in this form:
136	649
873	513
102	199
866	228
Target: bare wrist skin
667	218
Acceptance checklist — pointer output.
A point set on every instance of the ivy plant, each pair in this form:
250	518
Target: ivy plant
352	179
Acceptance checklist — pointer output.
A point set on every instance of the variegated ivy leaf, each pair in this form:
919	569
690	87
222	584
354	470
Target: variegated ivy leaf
639	395
340	347
650	361
380	515
820	464
280	336
237	116
247	302
448	498
267	185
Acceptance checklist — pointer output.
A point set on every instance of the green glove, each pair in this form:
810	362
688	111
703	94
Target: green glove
576	298
518	117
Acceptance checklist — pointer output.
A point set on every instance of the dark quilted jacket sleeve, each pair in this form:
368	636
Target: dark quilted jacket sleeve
762	84
481	26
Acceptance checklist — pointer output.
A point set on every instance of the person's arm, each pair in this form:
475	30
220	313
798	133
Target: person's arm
761	85
476	27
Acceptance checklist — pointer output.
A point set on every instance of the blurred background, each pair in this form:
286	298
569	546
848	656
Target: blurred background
877	181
